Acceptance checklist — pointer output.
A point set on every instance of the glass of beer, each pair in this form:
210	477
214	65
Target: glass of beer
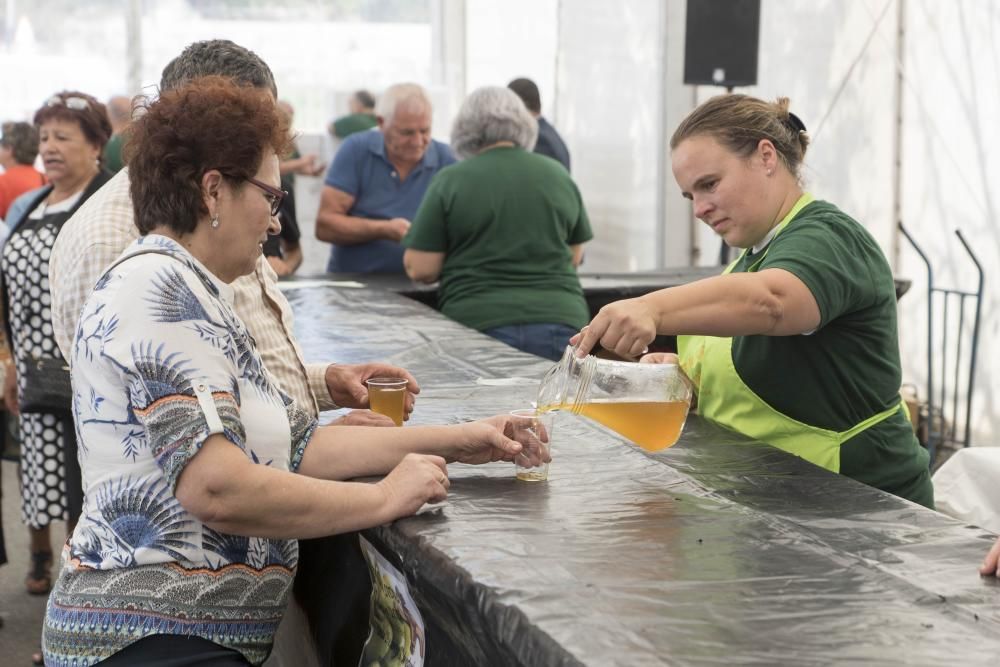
534	431
387	396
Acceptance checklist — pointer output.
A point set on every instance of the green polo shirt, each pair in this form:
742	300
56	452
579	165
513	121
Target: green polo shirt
849	368
505	220
345	126
113	153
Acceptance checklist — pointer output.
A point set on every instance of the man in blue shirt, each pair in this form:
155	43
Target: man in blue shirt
376	182
549	142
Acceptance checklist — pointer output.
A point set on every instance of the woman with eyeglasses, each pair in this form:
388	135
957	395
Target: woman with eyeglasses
72	130
200	473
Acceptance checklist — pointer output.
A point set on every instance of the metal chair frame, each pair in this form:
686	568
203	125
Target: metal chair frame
938	431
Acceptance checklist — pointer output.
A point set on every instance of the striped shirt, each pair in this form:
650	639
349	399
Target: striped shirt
105	225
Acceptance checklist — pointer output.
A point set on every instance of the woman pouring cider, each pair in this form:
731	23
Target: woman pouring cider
796	343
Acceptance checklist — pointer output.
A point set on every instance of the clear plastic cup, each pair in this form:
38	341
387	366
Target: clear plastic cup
387	396
534	431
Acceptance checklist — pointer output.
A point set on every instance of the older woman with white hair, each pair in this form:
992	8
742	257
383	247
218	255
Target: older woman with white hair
503	230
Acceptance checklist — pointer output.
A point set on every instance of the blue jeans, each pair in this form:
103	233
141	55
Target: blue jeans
542	339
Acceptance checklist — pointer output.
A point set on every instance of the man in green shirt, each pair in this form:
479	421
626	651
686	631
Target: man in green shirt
120	114
360	118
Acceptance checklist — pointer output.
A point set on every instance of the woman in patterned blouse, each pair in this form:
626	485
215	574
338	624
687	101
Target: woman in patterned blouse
199	473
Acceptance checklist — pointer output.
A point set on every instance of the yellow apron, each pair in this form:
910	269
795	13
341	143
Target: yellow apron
726	400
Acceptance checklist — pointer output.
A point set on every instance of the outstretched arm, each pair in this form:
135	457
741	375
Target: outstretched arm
345	452
772	302
226	491
229	493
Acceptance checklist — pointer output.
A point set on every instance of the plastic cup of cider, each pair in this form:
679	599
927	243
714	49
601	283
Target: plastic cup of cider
387	396
534	431
645	403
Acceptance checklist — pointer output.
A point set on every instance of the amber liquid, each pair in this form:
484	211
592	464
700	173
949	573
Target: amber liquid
533	475
653	425
388	402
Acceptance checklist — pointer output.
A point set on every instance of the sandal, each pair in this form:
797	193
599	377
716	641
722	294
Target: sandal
39	579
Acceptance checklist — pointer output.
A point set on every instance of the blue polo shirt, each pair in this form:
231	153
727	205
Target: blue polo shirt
362	170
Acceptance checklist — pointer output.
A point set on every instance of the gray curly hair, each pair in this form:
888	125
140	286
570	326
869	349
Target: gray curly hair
490	115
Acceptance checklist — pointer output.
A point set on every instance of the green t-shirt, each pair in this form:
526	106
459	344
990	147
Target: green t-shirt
849	368
355	122
505	220
113	153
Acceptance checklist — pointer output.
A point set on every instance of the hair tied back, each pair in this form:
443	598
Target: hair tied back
796	123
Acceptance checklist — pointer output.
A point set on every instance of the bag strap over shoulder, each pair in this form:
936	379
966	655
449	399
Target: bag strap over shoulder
144	251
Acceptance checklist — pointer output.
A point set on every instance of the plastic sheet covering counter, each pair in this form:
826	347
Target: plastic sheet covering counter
718	550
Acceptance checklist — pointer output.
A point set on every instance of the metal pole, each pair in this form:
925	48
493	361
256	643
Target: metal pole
133	42
557	66
437	44
975	338
448	35
897	138
660	233
944	362
10	23
952	437
931	445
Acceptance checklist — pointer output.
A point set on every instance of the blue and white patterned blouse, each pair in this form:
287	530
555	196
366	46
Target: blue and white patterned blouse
160	363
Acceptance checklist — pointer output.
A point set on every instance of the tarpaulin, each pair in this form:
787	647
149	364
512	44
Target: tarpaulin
718	550
967	486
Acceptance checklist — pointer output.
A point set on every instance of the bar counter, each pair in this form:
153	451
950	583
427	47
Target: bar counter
718	550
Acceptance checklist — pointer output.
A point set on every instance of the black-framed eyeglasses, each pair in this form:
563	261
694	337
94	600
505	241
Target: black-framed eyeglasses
72	102
273	194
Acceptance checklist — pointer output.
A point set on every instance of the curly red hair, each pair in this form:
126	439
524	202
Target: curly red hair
210	123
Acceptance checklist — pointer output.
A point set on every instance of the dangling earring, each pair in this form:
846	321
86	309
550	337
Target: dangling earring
215	222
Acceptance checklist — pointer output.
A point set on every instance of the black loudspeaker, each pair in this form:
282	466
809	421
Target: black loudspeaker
720	46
